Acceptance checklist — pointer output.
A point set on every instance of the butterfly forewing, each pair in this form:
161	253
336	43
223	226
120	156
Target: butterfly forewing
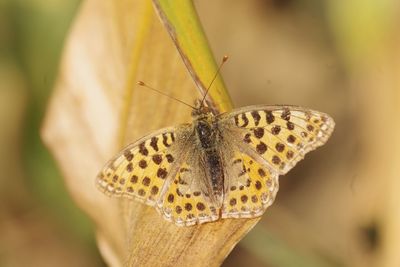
281	135
141	169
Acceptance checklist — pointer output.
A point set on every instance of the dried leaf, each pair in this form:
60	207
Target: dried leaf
97	108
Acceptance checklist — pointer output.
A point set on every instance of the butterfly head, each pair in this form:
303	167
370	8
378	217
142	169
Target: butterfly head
201	111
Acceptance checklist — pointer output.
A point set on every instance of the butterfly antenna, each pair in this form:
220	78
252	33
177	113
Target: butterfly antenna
171	97
224	59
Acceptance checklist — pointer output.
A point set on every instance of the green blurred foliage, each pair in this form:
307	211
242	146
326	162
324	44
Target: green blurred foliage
40	29
32	37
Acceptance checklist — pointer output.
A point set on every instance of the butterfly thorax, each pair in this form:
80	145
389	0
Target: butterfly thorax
208	138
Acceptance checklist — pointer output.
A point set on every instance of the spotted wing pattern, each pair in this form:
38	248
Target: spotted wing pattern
267	142
185	202
280	135
140	170
250	189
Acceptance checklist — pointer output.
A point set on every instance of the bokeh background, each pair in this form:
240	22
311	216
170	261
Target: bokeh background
339	207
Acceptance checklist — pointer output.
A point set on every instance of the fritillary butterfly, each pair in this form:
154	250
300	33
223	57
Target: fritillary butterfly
219	166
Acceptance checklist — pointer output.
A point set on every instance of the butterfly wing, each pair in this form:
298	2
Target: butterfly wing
186	201
267	142
162	170
250	187
279	135
140	170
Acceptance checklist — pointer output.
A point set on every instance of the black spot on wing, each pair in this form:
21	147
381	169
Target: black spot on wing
256	116
269	117
245	120
153	143
143	150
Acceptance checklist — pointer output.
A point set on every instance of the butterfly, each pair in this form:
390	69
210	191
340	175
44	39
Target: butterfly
219	166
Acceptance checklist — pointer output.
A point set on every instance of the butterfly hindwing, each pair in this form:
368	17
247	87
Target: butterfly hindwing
250	189
140	170
184	202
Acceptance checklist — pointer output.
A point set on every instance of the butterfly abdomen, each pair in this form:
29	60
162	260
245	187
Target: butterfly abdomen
216	171
207	137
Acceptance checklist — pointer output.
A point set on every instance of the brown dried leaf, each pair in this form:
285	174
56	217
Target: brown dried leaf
97	108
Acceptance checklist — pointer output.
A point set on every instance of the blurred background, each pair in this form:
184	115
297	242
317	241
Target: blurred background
337	208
